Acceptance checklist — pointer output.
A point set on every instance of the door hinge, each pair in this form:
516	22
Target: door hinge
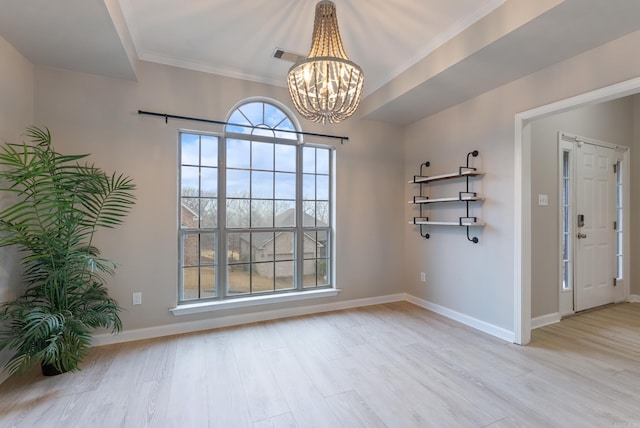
615	282
615	225
615	168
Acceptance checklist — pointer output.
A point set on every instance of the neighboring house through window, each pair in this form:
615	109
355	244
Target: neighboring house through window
259	221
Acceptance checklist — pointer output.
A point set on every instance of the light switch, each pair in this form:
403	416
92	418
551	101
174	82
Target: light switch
543	200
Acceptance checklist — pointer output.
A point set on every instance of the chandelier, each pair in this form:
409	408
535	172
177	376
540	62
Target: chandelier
326	86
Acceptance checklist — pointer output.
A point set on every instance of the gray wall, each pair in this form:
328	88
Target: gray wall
16	112
477	280
611	122
88	113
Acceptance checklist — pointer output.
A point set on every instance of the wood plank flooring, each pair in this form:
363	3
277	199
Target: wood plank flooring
393	365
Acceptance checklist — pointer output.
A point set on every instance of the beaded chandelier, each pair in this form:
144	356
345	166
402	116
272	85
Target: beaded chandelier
326	86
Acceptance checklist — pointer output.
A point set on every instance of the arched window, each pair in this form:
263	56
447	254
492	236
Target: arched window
262	118
260	221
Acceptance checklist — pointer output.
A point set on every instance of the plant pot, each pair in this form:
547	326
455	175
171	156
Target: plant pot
49	370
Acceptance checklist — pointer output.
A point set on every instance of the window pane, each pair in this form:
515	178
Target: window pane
284	275
262	277
261	213
321	272
309	160
189	213
190	180
619	267
284	246
285	213
190	149
190	249
285	186
273	116
237	247
263	131
322	187
239	281
619	195
207	282
262	156
207	249
619	244
308	187
322	213
262	184
286	125
322	161
310	245
190	287
309	218
238	213
208	213
239	118
323	243
566	225
238	183
254	112
238	154
209	182
315	273
619	219
209	151
262	244
285	158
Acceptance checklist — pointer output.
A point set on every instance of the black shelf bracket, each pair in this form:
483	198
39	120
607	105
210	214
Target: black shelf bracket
424	234
468	167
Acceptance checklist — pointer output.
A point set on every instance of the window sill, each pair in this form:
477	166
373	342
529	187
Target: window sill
196	308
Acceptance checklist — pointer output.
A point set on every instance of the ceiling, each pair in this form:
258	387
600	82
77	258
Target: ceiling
397	43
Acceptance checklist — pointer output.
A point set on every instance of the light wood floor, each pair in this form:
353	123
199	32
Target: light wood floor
393	365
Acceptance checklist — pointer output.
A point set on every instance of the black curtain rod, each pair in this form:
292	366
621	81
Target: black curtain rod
219	122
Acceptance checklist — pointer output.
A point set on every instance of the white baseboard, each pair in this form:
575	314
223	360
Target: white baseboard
557	317
232	320
208	324
545	320
483	326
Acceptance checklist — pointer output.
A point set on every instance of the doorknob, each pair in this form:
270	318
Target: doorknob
582	235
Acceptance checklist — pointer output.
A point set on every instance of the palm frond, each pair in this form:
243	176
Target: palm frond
59	205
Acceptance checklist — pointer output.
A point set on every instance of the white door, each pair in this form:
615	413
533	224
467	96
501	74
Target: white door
595	233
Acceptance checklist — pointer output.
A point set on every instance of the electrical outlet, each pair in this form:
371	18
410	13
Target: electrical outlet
137	298
543	200
423	277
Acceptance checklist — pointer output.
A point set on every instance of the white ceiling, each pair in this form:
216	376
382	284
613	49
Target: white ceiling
237	38
388	39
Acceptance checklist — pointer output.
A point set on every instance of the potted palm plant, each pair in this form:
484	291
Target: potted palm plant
59	203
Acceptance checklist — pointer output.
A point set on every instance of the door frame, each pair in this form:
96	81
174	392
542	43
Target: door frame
571	142
522	194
